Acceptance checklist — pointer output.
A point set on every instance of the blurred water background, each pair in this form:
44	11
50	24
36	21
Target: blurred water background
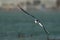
13	23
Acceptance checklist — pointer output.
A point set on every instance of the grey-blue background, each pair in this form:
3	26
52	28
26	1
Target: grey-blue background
14	22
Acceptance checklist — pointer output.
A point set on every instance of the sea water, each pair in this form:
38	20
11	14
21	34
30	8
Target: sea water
13	23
